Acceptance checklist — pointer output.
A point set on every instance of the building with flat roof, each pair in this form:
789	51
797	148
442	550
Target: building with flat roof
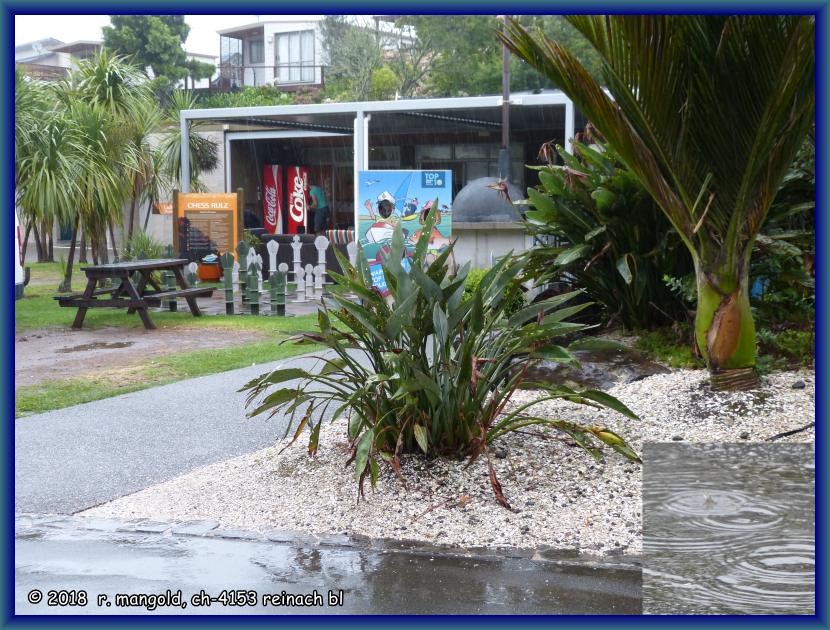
336	140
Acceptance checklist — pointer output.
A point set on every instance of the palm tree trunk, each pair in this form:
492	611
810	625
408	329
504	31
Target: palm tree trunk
51	245
101	233
82	256
132	218
724	328
44	241
66	285
112	236
94	247
25	240
149	210
38	243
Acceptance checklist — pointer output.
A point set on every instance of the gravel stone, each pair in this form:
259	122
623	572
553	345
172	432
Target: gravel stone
570	502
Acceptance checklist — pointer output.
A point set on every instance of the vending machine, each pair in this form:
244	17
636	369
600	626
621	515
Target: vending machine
272	198
297	199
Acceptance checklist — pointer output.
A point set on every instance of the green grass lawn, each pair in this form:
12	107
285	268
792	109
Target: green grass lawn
37	309
154	371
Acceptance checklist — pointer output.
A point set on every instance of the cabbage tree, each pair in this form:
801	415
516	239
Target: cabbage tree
708	111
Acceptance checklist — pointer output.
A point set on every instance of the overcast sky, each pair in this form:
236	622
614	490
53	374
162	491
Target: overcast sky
68	28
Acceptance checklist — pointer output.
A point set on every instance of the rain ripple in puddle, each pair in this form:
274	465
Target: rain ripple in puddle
729	529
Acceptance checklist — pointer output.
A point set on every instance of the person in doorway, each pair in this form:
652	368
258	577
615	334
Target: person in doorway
317	201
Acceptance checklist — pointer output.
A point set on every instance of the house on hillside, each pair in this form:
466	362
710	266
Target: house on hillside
288	52
41	60
50	59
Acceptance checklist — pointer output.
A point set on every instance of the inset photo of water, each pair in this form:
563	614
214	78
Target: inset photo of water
729	529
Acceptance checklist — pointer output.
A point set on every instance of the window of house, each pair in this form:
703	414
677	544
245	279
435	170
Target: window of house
257	51
295	57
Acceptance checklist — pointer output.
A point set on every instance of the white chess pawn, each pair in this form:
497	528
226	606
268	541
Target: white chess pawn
309	282
258	259
272	247
319	274
298	269
322	244
351	249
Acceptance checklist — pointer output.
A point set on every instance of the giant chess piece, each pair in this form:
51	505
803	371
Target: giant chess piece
309	282
322	245
298	269
351	250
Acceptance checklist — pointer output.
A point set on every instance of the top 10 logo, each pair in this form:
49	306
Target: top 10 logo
433	179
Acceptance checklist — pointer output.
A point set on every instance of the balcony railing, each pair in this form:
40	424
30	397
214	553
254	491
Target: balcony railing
43	73
285	76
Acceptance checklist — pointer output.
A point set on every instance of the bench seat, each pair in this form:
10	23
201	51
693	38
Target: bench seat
178	293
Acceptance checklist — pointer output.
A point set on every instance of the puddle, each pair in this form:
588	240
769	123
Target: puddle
98	345
371	581
729	529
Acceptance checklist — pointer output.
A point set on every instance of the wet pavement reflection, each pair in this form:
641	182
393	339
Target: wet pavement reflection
729	529
243	572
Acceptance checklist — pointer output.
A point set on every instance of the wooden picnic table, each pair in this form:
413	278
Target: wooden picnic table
130	294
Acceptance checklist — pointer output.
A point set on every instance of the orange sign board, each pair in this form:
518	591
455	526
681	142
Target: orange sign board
206	223
207	202
163	207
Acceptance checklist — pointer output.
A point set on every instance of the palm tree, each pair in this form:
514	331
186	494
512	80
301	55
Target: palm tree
29	108
102	96
145	120
81	149
156	184
47	188
709	112
203	151
100	173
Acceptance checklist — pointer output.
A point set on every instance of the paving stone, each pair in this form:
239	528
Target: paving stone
195	528
237	534
100	524
335	540
152	527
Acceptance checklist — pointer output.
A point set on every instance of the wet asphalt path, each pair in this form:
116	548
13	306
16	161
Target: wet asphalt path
74	458
254	577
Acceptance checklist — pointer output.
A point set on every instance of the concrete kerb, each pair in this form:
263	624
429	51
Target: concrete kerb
26	524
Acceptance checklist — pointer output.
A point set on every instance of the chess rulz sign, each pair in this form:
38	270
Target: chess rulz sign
205	223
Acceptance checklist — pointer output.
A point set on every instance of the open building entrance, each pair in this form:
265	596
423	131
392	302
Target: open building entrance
332	142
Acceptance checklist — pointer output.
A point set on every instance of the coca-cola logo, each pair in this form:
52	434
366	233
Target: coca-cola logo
271	205
297	208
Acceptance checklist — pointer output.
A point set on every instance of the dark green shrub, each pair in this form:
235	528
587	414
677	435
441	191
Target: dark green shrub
669	345
782	263
423	370
249	96
142	243
606	235
793	347
516	300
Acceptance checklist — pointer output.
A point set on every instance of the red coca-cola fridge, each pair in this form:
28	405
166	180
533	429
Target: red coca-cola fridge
272	198
297	198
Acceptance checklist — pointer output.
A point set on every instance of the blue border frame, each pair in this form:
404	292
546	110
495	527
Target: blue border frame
8	9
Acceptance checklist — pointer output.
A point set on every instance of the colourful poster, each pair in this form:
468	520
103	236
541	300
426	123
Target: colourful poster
390	198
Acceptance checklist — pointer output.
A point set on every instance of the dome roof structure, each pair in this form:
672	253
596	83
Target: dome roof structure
476	203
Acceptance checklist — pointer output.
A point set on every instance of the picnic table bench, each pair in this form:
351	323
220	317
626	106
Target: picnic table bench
131	295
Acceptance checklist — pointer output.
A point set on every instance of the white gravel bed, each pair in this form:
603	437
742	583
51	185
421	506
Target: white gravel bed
561	498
